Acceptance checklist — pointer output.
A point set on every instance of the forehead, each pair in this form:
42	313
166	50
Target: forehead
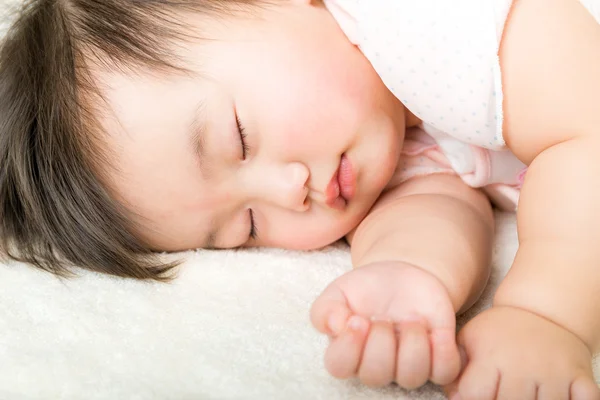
146	124
139	110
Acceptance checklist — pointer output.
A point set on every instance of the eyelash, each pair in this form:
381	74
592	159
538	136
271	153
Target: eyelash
243	135
253	229
245	151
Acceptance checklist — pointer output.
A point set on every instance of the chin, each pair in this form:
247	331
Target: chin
334	234
352	220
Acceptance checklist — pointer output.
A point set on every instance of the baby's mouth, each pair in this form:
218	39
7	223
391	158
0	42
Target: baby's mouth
342	186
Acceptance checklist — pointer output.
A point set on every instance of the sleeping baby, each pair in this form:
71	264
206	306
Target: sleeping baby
129	128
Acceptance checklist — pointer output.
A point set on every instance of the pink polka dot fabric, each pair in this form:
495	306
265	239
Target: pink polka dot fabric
440	58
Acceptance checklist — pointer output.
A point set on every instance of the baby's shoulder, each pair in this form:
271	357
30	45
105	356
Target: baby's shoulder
549	66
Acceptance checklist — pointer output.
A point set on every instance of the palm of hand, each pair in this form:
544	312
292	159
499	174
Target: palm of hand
389	321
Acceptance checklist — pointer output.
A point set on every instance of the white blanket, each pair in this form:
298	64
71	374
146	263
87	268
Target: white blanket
234	325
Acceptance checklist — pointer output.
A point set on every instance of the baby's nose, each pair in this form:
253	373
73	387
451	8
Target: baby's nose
287	186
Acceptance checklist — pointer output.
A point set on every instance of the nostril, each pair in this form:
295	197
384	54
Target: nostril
305	198
306	204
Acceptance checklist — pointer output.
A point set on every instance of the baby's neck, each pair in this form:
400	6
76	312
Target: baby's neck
411	119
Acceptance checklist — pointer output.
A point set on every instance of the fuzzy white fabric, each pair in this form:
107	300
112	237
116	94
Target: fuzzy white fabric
234	325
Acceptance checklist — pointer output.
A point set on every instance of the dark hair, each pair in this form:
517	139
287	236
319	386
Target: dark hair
56	212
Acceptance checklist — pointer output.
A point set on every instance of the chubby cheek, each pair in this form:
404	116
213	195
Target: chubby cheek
304	232
298	124
296	239
307	108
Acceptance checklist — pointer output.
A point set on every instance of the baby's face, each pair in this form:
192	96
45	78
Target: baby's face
306	99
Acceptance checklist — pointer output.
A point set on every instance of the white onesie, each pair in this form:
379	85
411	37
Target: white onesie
440	58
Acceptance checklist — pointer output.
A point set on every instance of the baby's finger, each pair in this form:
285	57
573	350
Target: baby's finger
479	382
445	357
414	355
451	391
584	389
345	351
329	314
517	387
378	364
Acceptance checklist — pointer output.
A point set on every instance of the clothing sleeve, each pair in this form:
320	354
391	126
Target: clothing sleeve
421	156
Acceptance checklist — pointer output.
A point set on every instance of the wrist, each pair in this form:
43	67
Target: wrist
458	298
558	283
519	315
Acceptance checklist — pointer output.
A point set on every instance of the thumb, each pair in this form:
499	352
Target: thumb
451	390
330	312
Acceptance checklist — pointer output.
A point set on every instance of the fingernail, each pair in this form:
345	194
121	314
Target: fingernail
356	323
455	396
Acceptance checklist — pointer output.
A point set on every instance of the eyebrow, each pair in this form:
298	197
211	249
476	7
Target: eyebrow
197	137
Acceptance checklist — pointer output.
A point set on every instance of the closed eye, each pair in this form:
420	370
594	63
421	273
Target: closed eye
253	234
243	135
253	229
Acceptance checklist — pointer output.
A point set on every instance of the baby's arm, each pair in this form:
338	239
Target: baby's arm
423	253
551	62
537	339
436	223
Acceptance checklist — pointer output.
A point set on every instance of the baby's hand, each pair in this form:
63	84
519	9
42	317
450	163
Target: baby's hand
389	321
515	354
